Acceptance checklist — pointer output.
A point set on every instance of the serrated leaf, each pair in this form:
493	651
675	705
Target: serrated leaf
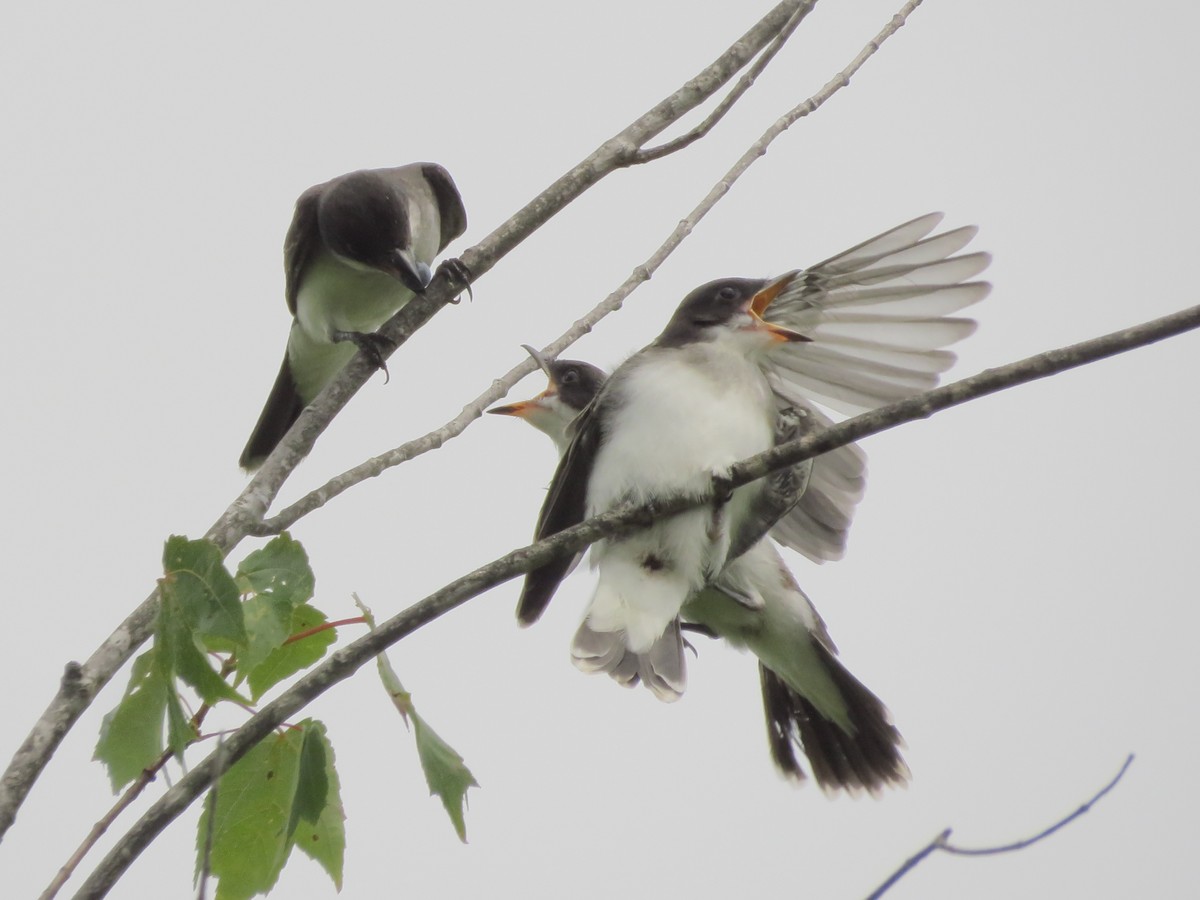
291	658
445	772
281	794
312	788
268	625
254	801
179	655
131	736
325	839
206	594
180	732
279	570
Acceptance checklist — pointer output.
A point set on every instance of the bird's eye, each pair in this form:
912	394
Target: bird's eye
727	293
570	376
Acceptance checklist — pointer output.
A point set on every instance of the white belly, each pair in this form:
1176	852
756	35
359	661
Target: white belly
675	425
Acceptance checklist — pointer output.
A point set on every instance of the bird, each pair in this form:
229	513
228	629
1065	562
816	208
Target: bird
858	330
572	386
358	248
810	700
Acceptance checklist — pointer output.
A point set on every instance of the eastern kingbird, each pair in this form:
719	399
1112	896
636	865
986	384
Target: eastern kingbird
856	331
358	248
810	699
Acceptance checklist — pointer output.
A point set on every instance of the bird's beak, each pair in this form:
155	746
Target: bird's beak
521	410
411	272
763	299
525	408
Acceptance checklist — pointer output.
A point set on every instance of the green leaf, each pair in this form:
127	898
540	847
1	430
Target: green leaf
268	625
176	644
131	736
291	658
279	570
196	579
324	837
180	732
445	772
286	782
254	801
312	790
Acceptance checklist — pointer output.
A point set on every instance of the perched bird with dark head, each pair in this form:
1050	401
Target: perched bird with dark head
859	330
572	385
670	418
358	249
811	701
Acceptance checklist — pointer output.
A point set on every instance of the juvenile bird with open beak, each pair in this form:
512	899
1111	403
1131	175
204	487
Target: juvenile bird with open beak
856	331
670	418
811	701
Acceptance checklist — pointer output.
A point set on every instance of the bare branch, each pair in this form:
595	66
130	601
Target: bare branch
942	841
744	84
614	301
131	793
1045	833
924	405
346	661
84	682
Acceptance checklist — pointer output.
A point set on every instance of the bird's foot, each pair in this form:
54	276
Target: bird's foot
695	629
459	276
722	487
373	345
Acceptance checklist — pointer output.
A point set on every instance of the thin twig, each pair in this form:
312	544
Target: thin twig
942	841
343	663
744	84
911	863
82	683
501	386
1045	833
131	793
209	833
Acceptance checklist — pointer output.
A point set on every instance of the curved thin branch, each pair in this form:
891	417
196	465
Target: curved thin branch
942	841
83	682
744	84
501	386
343	663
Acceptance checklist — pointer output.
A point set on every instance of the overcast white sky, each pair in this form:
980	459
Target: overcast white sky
1021	584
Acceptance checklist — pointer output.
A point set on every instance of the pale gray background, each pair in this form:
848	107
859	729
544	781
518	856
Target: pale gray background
1021	583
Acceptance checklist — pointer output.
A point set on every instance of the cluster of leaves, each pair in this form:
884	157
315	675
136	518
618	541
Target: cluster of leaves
230	638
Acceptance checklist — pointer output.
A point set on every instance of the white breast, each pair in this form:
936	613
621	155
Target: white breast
678	416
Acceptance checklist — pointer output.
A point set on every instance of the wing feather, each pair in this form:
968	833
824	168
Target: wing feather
565	505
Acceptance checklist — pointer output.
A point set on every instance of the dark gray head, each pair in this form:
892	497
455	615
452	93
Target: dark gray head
728	309
572	386
363	219
577	382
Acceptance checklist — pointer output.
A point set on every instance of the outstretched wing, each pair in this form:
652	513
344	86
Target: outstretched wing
879	316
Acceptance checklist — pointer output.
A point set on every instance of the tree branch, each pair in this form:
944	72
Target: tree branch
501	386
82	683
942	841
744	84
346	661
